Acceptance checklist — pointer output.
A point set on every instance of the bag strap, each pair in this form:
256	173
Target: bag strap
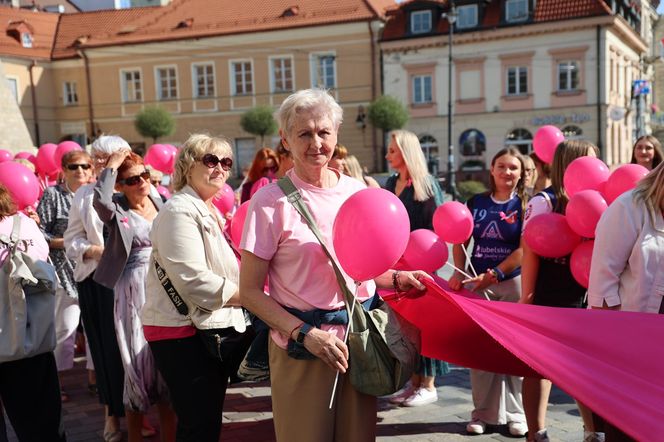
171	291
295	198
16	229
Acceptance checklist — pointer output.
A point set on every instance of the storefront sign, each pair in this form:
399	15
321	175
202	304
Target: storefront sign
559	119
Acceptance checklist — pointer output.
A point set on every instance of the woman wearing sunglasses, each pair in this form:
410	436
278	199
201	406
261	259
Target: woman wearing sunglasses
123	266
53	211
263	170
199	273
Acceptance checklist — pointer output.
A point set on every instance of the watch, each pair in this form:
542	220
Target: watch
306	328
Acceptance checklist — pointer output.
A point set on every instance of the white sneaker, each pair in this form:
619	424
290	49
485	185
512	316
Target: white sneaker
476	426
517	428
421	396
402	395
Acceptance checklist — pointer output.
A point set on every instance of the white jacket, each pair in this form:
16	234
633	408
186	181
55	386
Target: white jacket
189	245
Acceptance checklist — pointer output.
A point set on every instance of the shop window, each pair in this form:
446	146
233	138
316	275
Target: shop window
472	142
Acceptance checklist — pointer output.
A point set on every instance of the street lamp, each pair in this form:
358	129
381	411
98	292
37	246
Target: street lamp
451	16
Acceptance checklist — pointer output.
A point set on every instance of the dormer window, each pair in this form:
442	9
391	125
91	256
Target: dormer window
420	22
516	10
467	17
26	40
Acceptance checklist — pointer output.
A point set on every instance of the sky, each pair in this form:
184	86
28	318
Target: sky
660	8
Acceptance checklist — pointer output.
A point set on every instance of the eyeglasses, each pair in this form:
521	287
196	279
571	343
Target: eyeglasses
211	160
134	180
76	166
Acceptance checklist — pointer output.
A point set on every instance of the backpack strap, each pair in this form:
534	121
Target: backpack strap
16	229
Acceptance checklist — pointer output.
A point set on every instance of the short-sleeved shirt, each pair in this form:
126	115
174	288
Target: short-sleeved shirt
33	241
300	274
496	231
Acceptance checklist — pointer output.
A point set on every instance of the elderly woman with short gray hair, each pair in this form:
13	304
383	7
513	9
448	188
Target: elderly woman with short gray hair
278	243
192	287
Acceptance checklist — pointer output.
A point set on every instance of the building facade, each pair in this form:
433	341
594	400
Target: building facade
517	65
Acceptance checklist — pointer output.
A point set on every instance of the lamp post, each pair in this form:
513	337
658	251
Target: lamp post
451	16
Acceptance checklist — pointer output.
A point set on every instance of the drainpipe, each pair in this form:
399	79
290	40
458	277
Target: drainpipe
600	58
33	93
88	81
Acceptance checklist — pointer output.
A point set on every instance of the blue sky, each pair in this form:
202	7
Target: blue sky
660	8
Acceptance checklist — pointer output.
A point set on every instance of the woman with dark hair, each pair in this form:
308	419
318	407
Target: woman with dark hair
53	211
29	387
549	282
647	152
496	256
261	172
128	216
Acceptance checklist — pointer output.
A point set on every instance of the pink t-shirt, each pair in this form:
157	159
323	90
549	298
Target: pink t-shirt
33	239
300	274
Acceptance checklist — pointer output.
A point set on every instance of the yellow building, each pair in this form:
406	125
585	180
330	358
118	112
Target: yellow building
206	62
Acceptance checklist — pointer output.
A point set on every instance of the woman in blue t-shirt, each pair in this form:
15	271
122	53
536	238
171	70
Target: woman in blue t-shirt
496	257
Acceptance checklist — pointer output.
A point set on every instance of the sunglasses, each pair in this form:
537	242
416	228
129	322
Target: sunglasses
76	166
134	180
211	160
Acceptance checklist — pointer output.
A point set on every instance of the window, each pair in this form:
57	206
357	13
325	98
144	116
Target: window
466	17
422	89
281	74
12	85
323	70
420	22
69	96
132	88
522	139
242	78
472	142
430	148
568	76
26	40
167	83
572	132
517	80
516	10
203	76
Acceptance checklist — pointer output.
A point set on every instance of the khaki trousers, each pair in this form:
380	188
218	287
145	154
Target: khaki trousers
301	392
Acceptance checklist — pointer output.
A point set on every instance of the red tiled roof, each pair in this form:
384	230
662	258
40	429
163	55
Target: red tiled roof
545	10
184	19
41	24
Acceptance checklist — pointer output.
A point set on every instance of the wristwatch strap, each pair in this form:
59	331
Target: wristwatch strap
306	328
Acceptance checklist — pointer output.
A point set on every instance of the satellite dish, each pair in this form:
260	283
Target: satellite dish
617	113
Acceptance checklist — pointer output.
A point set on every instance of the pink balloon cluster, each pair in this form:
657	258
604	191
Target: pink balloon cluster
224	200
5	156
62	149
161	157
545	142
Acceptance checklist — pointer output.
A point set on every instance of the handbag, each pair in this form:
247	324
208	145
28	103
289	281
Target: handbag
27	301
384	347
219	343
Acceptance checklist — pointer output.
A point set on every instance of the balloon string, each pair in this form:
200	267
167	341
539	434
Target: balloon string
470	263
485	292
350	316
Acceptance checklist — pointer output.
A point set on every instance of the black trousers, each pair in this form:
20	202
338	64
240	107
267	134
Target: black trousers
96	302
30	393
197	384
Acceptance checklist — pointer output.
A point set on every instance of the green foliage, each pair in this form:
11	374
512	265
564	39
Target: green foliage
467	189
388	113
259	121
154	122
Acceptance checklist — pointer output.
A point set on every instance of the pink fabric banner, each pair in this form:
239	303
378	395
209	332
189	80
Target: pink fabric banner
611	361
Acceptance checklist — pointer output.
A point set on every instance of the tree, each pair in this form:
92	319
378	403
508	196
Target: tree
259	121
154	122
387	113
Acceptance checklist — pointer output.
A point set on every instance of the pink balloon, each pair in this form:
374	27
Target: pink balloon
370	233
425	251
623	179
161	157
584	211
224	200
45	163
62	149
585	173
237	223
163	191
579	262
545	142
550	236
21	183
5	155
453	222
26	156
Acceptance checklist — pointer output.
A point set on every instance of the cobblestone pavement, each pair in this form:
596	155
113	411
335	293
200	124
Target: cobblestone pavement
248	415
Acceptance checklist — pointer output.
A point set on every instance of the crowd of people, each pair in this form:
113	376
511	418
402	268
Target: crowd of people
169	305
